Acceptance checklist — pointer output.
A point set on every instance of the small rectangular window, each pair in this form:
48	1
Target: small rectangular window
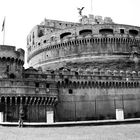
122	31
70	91
7	68
47	85
37	85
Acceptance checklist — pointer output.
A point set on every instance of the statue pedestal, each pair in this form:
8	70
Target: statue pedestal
50	116
1	117
119	114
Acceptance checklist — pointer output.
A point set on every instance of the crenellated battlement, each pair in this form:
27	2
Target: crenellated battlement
79	74
11	61
9	52
66	78
88	40
103	30
98	74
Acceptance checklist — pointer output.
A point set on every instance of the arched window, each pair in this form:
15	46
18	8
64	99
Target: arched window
106	31
85	32
133	32
40	33
64	34
12	76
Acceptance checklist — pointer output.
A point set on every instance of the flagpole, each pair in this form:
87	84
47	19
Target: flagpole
4	32
3	35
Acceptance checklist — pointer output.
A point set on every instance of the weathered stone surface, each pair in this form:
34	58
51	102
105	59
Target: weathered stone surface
82	44
79	72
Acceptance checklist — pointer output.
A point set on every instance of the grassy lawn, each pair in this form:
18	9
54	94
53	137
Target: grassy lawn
108	132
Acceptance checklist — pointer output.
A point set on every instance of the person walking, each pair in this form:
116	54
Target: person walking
21	116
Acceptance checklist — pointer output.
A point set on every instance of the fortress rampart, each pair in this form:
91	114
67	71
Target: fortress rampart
84	71
85	43
9	52
11	61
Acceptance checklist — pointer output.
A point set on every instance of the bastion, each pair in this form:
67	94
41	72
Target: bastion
89	70
102	45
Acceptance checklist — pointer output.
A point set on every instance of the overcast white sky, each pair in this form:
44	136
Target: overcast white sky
23	15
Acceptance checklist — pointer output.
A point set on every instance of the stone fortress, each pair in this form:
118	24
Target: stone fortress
78	72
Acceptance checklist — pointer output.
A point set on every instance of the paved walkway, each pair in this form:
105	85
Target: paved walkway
101	132
75	123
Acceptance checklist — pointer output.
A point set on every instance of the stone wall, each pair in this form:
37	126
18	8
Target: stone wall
95	104
85	43
11	61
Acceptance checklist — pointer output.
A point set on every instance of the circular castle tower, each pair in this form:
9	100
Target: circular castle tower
11	62
95	66
23	91
11	69
93	43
